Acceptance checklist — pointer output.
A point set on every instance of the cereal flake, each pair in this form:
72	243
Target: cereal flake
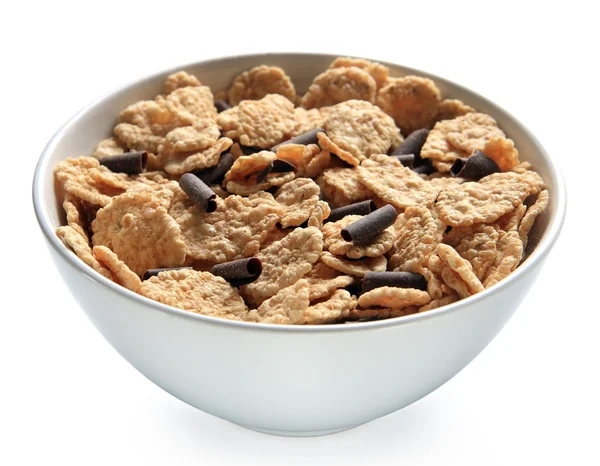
260	81
339	85
411	101
285	262
487	200
357	129
395	298
138	229
394	183
356	268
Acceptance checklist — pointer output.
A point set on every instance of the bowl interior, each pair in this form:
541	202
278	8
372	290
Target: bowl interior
80	135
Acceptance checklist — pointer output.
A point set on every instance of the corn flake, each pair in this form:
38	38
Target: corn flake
339	85
284	263
411	101
260	81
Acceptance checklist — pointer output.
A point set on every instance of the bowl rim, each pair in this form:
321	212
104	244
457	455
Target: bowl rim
537	255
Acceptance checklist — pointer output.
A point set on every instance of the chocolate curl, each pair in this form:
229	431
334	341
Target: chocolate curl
413	143
154	272
274	166
394	279
366	228
310	137
198	192
426	169
359	208
239	272
214	174
408	160
132	163
249	150
475	167
221	105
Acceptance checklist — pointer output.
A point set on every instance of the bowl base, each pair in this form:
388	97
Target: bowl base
299	433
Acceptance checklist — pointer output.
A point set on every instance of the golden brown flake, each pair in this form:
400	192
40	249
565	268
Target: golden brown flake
319	214
511	220
284	263
503	152
341	186
82	249
510	253
339	85
335	244
234	231
477	244
178	163
443	301
229	122
394	183
265	122
137	138
324	280
260	81
458	270
138	229
203	134
307	120
298	198
458	138
411	101
318	164
487	200
337	307
197	101
418	233
287	306
178	80
242	177
357	129
449	109
356	268
110	146
299	156
86	179
121	274
532	213
75	215
395	298
199	292
378	71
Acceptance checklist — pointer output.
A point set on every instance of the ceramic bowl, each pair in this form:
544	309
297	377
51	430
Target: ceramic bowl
288	380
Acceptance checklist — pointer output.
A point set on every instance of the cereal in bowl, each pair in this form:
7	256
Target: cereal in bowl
366	196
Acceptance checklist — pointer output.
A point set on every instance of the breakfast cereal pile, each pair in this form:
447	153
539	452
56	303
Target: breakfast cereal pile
367	197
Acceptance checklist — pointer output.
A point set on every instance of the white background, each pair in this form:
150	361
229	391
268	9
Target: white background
530	398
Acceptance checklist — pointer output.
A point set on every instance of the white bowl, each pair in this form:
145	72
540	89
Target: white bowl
288	380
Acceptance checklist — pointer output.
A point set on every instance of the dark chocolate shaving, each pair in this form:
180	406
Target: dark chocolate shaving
359	208
426	169
198	192
366	228
221	105
249	150
154	272
239	272
394	279
132	163
408	160
310	137
215	174
475	167
413	143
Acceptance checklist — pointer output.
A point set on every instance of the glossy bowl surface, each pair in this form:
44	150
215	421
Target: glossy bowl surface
288	380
